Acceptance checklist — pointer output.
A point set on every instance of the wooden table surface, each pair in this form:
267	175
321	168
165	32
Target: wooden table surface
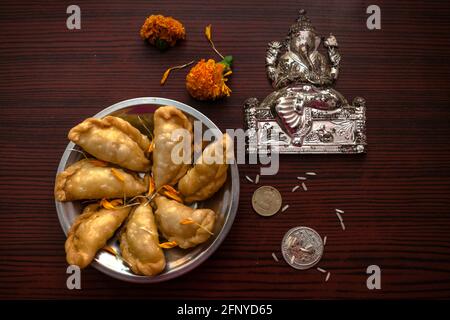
396	197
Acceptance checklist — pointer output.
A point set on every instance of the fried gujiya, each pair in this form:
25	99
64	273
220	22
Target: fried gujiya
93	179
209	173
182	224
167	121
90	232
114	140
139	242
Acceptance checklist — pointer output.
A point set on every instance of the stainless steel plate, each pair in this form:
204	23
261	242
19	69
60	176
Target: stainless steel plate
179	261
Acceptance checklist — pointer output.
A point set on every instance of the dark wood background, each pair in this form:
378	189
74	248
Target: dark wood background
396	197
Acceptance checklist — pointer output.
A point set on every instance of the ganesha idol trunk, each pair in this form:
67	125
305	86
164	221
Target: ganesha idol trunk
304	114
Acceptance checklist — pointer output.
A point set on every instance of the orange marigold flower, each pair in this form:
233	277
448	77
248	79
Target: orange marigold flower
162	31
206	80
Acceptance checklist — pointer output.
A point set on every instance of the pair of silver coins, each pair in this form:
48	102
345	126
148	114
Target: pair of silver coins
302	247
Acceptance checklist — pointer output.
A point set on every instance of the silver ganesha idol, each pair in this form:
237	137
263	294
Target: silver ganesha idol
304	114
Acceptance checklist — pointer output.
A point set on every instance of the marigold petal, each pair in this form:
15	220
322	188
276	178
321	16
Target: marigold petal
167	72
168	244
187	221
110	250
116	202
164	77
151	147
98	163
173	196
117	174
171	189
151	186
106	204
208	32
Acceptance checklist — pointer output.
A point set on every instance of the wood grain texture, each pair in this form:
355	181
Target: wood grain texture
396	197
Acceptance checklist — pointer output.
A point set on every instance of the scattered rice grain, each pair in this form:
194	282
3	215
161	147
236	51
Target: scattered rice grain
328	277
301	178
249	179
274	257
284	208
321	270
339	216
304	186
339	211
343	225
295	188
325	240
257	179
310	173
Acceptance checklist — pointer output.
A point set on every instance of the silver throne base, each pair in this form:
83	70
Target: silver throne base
326	132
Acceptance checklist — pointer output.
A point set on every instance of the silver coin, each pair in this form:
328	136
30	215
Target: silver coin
266	201
302	247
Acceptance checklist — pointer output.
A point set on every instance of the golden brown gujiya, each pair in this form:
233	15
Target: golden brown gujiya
182	224
90	232
209	172
114	140
166	121
139	243
92	179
